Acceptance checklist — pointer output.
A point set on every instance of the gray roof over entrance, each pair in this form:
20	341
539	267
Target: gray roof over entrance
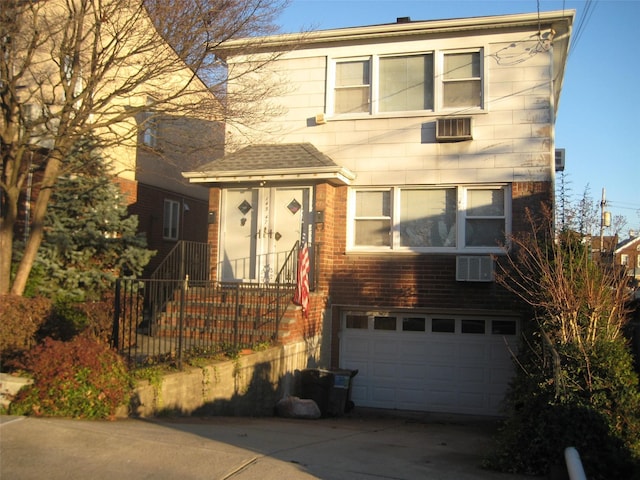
284	162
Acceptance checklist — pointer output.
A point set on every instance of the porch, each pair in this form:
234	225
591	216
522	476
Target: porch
166	318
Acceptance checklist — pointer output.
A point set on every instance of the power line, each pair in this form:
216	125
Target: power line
589	7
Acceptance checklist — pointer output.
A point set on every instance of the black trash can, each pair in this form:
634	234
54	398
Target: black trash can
330	389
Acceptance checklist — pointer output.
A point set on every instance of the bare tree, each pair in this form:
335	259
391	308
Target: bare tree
76	68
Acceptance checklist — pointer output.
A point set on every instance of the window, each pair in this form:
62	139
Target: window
443	325
413	324
150	126
406	83
484	218
472	326
171	218
624	259
373	218
461	80
384	323
352	87
428	217
421	81
446	219
357	322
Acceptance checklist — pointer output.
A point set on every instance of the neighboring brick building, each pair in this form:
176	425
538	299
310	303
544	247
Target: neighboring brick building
406	154
627	254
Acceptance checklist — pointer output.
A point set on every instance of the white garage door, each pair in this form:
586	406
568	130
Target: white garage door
437	363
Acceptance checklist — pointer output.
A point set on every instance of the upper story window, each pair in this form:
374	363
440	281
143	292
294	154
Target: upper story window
352	86
150	126
406	83
443	219
418	82
170	220
461	80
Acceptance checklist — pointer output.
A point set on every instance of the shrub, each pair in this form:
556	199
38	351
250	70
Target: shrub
69	318
603	423
575	384
20	320
81	378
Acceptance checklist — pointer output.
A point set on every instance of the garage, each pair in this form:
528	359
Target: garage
423	362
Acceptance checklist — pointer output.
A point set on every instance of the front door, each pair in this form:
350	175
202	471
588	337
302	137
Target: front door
259	227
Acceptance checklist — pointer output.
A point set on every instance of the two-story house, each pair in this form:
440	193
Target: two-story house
406	154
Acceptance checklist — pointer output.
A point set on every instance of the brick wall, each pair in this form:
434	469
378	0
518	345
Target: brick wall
147	203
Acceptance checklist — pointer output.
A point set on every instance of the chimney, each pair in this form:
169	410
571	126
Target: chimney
403	19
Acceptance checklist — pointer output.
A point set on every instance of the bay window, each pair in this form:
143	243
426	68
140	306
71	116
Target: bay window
438	219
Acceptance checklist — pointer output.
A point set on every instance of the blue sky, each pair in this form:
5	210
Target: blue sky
599	117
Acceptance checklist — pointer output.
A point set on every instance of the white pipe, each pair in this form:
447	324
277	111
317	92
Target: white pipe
574	464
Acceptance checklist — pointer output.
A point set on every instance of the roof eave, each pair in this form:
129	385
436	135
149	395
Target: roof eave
370	32
335	176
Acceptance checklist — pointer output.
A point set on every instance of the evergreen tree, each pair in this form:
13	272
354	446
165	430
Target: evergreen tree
90	239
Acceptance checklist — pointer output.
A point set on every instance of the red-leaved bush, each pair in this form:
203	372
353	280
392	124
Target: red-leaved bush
81	378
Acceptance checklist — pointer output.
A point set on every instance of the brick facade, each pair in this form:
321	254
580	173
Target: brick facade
147	202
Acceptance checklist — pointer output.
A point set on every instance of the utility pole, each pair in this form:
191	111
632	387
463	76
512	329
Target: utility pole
605	220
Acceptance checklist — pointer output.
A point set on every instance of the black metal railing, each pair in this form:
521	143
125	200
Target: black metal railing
287	260
185	258
166	320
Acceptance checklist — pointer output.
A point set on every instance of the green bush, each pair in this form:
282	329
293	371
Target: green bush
81	378
549	411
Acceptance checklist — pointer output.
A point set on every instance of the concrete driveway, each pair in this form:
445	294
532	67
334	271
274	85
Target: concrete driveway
363	445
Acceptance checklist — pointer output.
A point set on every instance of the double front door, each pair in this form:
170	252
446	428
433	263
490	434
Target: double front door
259	227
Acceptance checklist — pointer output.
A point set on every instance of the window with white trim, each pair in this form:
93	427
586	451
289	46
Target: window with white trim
150	126
461	80
430	219
352	86
421	81
170	220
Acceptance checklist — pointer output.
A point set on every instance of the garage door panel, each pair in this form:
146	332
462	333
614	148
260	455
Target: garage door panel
386	348
470	375
442	350
385	394
385	370
414	351
416	372
473	353
358	347
443	372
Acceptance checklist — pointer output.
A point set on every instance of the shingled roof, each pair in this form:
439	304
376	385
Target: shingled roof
289	161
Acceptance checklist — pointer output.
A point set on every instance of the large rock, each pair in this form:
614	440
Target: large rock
294	407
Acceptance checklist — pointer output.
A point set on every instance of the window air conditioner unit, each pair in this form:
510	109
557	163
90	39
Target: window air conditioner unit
453	129
559	159
474	268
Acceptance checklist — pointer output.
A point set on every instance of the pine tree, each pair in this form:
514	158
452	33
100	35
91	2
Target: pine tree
90	239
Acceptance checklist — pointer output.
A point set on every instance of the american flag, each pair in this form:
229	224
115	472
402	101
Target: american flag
301	296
